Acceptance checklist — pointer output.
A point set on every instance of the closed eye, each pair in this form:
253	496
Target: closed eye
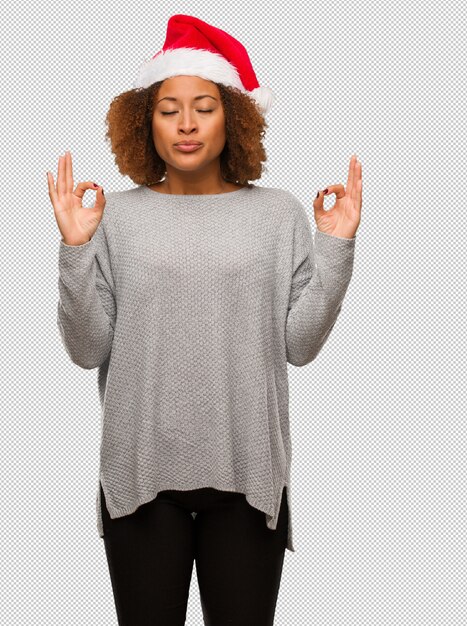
199	111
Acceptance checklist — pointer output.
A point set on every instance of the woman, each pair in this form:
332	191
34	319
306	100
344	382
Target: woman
191	292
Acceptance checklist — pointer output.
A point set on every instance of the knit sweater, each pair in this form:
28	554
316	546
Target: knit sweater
191	306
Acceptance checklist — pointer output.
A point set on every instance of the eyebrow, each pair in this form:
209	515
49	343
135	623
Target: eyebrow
206	95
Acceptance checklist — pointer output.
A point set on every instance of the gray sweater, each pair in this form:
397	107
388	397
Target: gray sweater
191	306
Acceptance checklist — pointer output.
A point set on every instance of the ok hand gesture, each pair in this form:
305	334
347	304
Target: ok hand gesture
76	223
343	219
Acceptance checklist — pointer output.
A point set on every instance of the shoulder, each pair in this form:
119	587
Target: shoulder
287	202
117	199
119	203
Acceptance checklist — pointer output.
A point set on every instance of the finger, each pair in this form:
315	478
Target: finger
339	190
100	201
100	198
318	205
81	189
360	183
351	175
68	172
61	176
357	187
52	192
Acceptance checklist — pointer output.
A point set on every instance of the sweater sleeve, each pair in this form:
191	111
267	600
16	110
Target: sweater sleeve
86	312
321	275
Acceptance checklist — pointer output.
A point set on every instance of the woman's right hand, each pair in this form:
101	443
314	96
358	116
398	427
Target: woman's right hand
76	223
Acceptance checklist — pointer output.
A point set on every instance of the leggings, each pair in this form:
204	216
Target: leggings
150	555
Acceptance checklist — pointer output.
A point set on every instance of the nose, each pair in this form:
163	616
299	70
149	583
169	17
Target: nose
187	124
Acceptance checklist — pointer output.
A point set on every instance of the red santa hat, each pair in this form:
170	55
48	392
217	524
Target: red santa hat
193	47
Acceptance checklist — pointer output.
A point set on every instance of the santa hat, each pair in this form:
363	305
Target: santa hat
193	47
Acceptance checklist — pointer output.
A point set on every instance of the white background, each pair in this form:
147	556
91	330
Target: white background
379	443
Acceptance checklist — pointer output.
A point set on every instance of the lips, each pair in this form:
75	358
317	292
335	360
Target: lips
188	147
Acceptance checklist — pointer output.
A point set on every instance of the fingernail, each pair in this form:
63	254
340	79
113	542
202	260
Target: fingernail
95	186
103	192
326	190
317	195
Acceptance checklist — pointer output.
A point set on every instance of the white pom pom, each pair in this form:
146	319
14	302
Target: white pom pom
264	96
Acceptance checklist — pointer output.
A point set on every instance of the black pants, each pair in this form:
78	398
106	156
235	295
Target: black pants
150	555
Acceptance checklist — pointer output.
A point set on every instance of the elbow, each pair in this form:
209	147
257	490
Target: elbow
300	350
300	353
300	358
86	352
90	364
87	360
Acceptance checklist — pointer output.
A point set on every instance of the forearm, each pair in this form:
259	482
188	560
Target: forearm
314	313
85	327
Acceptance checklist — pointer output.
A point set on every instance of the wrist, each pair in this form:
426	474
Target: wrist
338	235
74	244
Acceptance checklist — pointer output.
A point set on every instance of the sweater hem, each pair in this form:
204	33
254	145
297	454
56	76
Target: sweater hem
123	511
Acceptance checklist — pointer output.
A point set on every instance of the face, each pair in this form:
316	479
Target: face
189	108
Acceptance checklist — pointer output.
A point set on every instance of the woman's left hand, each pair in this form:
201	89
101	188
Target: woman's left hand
343	219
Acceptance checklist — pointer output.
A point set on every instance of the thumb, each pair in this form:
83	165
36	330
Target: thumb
318	205
99	204
81	189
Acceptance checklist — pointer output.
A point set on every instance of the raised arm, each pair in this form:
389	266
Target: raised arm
321	275
86	311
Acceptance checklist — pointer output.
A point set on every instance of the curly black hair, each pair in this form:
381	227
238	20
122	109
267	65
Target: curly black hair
129	129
